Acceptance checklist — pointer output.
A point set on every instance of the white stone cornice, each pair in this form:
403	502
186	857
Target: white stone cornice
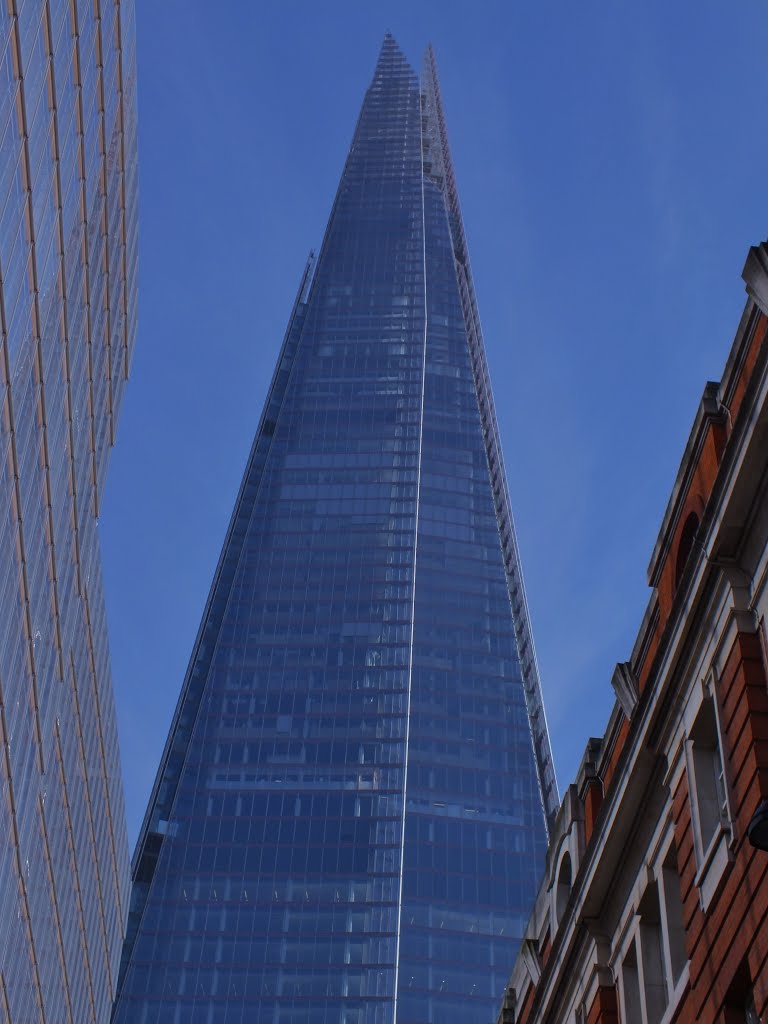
624	683
755	274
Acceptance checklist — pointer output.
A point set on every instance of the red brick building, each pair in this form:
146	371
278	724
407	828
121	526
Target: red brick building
654	904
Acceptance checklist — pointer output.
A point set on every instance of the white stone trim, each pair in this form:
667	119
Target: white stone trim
651	873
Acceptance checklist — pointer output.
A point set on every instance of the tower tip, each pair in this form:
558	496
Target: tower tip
390	50
390	42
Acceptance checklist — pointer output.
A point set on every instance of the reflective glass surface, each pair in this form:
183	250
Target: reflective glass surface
347	824
68	313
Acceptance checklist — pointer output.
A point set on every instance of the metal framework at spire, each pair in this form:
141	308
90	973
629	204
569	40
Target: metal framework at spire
439	168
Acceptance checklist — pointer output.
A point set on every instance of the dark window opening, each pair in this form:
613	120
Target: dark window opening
687	537
563	891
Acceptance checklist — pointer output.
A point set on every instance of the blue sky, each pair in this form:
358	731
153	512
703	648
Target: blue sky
611	161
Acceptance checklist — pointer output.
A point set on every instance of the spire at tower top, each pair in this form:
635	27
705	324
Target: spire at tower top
429	64
391	56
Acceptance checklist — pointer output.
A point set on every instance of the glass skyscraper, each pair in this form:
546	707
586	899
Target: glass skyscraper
68	315
349	820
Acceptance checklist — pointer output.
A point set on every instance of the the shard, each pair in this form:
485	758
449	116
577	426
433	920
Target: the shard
349	819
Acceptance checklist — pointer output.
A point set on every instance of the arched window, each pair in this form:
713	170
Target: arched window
563	890
687	537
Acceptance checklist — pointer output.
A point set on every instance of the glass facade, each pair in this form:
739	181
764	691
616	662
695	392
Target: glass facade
348	822
68	315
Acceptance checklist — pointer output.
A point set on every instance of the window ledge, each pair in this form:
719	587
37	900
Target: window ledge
674	1001
713	865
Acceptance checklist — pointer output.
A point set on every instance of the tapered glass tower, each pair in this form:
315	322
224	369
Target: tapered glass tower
348	824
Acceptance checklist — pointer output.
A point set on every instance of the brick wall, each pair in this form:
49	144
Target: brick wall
729	941
605	1006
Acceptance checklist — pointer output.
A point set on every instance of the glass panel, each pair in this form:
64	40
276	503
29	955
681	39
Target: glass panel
63	853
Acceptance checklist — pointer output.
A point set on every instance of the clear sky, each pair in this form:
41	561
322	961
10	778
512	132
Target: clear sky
611	161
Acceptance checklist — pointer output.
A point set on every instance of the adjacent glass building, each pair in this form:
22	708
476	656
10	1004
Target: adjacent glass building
68	318
349	821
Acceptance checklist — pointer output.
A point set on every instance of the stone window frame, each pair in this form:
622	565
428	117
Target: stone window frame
711	843
635	945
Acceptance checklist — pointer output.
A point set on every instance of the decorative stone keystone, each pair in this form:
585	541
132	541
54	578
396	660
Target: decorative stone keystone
624	683
755	274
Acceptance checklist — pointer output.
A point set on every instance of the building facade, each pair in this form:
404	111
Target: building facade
68	239
348	823
653	904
